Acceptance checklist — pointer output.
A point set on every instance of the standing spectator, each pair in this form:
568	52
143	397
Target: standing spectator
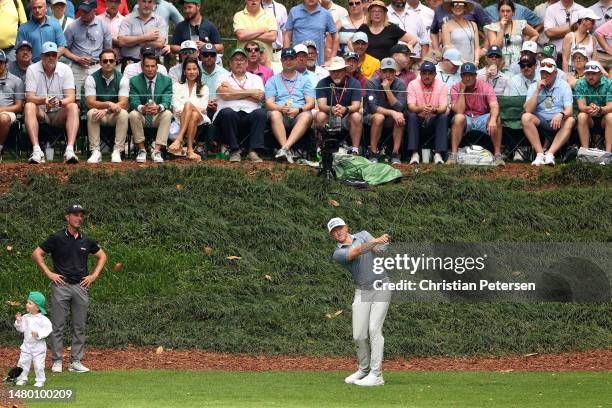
279	12
367	63
189	49
336	11
603	10
11	99
557	23
475	106
254	24
540	11
70	283
85	40
139	29
352	69
427	113
448	68
68	10
548	108
310	21
349	24
189	102
424	13
12	15
106	97
580	36
40	30
442	15
50	98
150	102
253	66
594	96
492	73
340	96
195	28
122	8
519	84
460	33
113	17
166	11
240	112
210	75
23	59
386	103
289	100
410	22
519	12
58	12
509	32
579	60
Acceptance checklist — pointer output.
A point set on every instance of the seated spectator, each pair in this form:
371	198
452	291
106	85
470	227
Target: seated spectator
189	49
86	37
519	83
196	28
367	63
447	70
459	32
311	61
382	35
548	108
132	35
289	100
509	32
427	113
210	74
253	65
50	98
475	106
594	96
386	103
404	59
301	65
113	14
240	113
106	97
351	59
492	73
339	96
580	37
58	12
189	102
23	59
529	48
557	23
40	30
133	69
11	99
549	51
253	24
150	102
604	37
349	25
579	61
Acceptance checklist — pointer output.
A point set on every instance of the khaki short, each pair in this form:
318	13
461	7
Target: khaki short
53	118
11	116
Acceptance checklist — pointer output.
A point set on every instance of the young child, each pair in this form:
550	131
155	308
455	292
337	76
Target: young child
35	328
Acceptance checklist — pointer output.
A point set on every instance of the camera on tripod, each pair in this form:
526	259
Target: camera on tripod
331	136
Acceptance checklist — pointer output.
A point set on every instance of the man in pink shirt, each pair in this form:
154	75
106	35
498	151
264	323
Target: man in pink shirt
253	66
113	18
427	106
475	106
604	38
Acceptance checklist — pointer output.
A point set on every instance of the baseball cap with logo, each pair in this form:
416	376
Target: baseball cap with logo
48	47
494	50
593	66
351	55
580	50
530	46
189	45
428	66
548	65
88	5
468	68
300	48
208	48
2	56
24	43
360	36
238	51
453	55
147	50
288	53
75	209
549	50
389	63
335	222
310	43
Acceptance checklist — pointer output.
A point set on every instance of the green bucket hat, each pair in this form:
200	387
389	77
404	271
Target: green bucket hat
39	300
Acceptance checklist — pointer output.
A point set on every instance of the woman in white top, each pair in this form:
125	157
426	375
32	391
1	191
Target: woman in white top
349	25
189	102
460	33
509	34
580	37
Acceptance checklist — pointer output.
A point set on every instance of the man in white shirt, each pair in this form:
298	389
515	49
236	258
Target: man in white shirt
557	21
424	13
280	14
411	23
239	111
336	11
493	70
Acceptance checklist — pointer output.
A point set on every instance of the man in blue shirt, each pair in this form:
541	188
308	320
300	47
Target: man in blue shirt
289	99
520	13
195	28
310	21
548	108
41	29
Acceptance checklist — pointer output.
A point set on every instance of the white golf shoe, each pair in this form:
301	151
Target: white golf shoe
77	367
96	157
357	375
57	366
371	380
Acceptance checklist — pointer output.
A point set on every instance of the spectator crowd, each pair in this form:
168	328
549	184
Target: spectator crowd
395	74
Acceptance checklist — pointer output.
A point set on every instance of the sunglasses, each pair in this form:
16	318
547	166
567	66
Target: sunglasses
526	65
354	4
187	52
507	39
109	61
459	5
567	17
592	67
548	65
208	55
252	50
494	56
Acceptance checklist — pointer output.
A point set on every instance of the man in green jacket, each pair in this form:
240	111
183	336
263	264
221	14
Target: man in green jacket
150	99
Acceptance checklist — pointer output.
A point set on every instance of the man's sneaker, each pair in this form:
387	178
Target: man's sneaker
254	157
395	159
539	160
371	380
283	154
415	159
498	160
21	383
289	157
96	157
235	156
116	156
70	157
357	375
452	158
39	384
354	151
77	367
438	159
549	159
57	366
156	156
142	156
37	157
371	156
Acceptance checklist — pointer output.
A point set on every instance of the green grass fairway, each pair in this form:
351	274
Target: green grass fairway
158	388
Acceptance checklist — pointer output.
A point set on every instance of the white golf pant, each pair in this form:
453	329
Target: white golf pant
26	359
368	319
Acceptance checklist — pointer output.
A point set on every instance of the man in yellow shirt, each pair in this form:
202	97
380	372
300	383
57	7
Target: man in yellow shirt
12	15
254	24
367	63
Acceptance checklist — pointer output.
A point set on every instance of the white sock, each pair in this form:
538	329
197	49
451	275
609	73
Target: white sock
36	148
69	148
355	149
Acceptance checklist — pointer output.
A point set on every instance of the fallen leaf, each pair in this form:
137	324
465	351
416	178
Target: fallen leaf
13	303
268	277
117	267
179	186
338	312
69	348
9	248
159	350
531	354
334	203
359	202
328	316
208	250
547	233
506	371
234	258
516	273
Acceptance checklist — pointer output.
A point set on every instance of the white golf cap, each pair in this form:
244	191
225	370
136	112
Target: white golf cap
336	64
548	65
189	45
530	46
335	222
580	50
585	13
454	56
594	66
58	2
300	48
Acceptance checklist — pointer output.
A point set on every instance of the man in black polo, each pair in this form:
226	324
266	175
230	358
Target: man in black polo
69	250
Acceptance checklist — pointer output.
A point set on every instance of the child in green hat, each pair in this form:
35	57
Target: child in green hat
35	328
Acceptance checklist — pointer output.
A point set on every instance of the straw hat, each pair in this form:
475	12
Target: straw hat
448	5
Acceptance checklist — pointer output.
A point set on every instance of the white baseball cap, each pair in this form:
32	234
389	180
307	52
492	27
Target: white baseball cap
594	66
335	222
585	13
189	45
580	50
552	65
530	46
300	48
454	56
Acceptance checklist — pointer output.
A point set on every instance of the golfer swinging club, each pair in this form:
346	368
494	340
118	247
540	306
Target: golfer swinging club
356	253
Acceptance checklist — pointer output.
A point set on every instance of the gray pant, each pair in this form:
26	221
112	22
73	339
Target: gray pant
65	298
369	311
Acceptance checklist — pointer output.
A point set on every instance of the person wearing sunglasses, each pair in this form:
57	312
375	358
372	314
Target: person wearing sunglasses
254	66
189	49
548	109
254	24
594	97
107	100
580	36
493	72
459	32
349	24
557	22
520	83
409	21
443	14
